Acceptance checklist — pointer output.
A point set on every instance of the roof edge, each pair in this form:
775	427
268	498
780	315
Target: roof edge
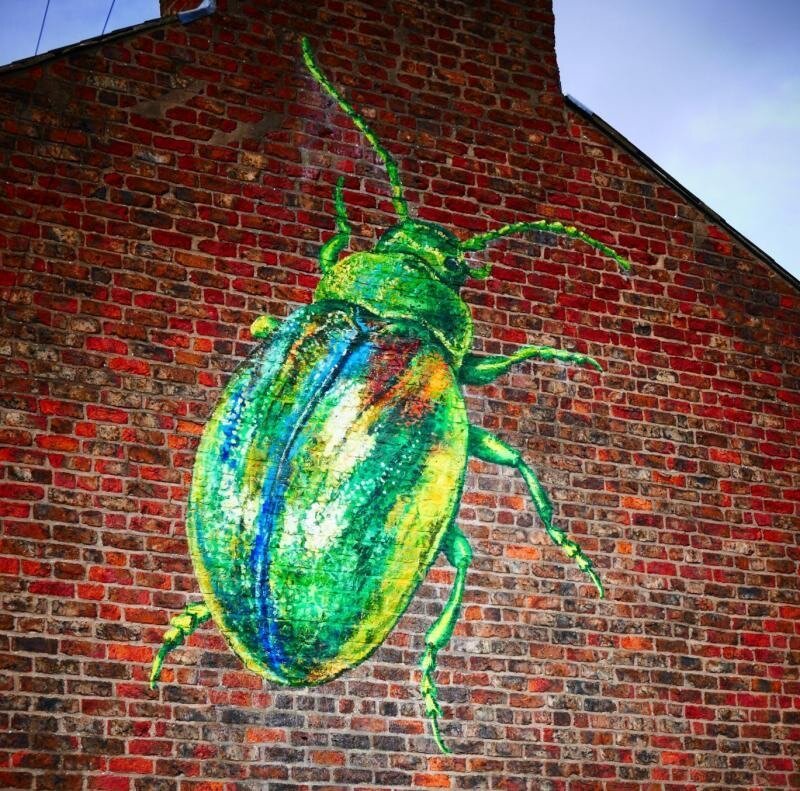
631	148
205	8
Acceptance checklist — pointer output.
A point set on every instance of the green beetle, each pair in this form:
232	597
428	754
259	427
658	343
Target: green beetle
328	478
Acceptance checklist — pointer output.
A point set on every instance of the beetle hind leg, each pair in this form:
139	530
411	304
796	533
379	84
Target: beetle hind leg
457	551
181	626
486	447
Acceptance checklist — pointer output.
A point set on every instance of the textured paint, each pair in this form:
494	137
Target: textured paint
328	478
311	521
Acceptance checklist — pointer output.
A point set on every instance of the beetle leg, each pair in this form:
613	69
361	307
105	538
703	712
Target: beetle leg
181	626
329	253
264	326
485	446
483	369
457	551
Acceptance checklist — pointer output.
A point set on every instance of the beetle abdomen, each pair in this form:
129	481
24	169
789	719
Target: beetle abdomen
325	480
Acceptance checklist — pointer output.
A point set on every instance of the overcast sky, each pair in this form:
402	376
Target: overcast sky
709	89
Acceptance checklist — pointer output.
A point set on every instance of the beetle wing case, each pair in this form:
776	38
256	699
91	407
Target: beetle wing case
324	482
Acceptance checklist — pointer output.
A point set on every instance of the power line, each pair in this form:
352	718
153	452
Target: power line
41	27
108	16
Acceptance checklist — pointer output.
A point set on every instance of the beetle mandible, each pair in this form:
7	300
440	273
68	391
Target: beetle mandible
329	476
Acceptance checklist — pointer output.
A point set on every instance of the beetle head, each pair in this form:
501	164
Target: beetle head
432	244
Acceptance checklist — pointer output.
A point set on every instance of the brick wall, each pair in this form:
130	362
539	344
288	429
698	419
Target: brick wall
160	192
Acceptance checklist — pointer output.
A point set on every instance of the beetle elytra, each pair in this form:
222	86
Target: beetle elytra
328	478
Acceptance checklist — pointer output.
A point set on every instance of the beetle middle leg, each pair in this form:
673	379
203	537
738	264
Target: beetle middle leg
487	447
458	552
483	369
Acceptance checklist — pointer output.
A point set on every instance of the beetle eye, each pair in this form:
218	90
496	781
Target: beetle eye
452	265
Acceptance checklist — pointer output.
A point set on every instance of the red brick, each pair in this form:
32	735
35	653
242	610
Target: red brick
131	765
20	491
130	366
106	414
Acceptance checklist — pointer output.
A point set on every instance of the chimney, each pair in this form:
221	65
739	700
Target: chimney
169	7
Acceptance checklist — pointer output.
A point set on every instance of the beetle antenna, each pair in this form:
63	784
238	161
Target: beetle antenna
398	201
479	241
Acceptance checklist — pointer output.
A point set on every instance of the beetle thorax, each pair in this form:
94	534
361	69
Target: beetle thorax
414	274
432	244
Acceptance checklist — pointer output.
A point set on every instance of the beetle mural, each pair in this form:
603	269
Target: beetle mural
328	478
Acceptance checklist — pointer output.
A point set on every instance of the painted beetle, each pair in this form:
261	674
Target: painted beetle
328	478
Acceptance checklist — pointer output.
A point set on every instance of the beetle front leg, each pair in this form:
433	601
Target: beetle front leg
264	326
485	446
181	626
329	253
483	369
458	552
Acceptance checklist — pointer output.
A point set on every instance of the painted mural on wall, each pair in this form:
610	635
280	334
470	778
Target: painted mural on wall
328	478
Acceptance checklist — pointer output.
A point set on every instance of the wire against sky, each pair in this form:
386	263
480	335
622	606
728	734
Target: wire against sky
41	28
108	16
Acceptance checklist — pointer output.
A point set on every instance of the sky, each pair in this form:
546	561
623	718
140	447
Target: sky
68	21
709	89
